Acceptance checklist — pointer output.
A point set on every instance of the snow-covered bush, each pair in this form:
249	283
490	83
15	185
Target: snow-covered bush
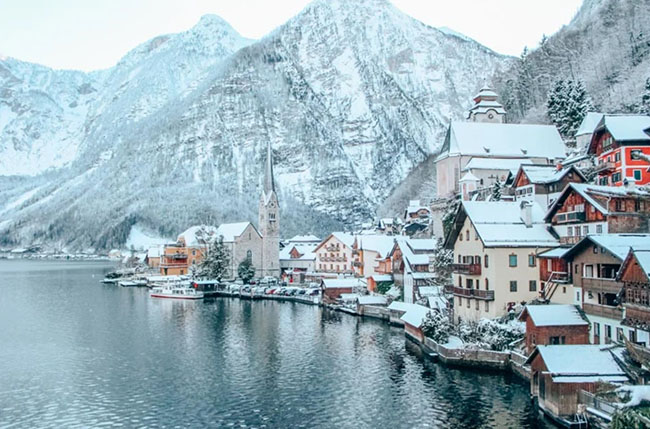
437	326
490	334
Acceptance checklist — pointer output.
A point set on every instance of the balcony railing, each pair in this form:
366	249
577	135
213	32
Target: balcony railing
487	295
569	217
601	285
332	248
467	269
168	264
604	166
176	255
357	264
603	311
637	316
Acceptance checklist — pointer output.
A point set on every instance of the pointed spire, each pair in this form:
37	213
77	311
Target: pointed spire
269	183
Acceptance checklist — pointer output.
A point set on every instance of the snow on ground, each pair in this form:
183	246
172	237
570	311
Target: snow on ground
454	343
143	240
21	199
637	394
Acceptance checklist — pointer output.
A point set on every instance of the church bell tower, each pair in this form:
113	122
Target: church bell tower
269	221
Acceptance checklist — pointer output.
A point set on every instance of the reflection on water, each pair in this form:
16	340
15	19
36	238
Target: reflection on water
74	352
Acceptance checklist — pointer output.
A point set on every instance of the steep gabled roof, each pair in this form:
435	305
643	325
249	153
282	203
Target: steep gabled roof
618	245
589	123
641	257
503	140
553	315
343	237
499	224
381	244
626	127
579	363
588	192
546	174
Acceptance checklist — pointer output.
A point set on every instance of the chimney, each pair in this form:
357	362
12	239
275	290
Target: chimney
527	213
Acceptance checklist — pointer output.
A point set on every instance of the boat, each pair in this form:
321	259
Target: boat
127	283
176	291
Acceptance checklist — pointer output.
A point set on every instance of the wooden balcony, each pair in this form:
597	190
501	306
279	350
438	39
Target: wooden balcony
604	167
601	285
487	295
176	256
570	217
603	311
637	316
467	269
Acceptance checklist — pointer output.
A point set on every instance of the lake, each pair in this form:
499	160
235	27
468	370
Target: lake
78	353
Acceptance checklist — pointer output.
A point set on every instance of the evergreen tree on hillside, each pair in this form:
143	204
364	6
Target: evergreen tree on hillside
216	262
567	105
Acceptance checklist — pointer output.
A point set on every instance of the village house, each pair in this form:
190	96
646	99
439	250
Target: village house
297	257
487	136
635	276
586	130
553	325
543	184
367	251
411	265
153	256
334	289
480	175
621	144
555	279
413	319
593	264
559	372
187	252
334	254
583	209
495	247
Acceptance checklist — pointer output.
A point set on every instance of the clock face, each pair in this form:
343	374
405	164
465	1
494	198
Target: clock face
491	116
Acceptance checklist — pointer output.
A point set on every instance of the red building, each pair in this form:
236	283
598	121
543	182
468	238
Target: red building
621	144
635	275
553	325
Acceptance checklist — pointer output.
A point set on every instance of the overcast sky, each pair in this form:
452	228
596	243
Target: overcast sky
95	34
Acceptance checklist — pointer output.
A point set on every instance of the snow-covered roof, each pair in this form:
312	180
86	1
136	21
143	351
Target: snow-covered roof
486	92
350	296
400	306
154	252
415	206
626	127
430	290
306	250
231	231
418	275
345	238
381	244
589	123
499	224
372	300
544	174
342	283
554	315
422	244
408	255
620	244
588	192
504	164
304	239
415	315
554	253
579	363
381	277
468	177
437	302
198	235
503	140
643	257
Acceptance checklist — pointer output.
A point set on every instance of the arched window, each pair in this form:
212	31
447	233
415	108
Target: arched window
249	255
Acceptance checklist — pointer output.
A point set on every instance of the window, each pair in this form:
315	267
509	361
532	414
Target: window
577	296
616	177
569	231
193	252
637	174
487	284
637	206
531	260
470	283
512	260
460	281
468	303
477	260
249	255
485	261
618	204
272	217
619	334
532	285
608	334
487	306
595	249
513	286
632	335
467	235
460	301
617	157
557	340
460	236
477	304
585	230
597	328
460	259
576	269
599	229
589	271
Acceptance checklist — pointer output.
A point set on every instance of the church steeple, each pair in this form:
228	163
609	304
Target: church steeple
486	107
269	182
269	220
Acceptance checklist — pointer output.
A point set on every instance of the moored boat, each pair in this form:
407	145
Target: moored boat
176	291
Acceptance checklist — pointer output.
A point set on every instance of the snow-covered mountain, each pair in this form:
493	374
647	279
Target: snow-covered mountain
352	95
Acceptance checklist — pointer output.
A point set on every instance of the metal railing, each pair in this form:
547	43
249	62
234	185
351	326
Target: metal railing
467	269
487	295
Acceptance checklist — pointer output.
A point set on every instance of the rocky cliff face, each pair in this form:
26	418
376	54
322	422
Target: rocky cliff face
352	96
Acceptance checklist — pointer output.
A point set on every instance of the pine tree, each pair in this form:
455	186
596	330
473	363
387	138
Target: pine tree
246	270
216	262
441	264
496	191
567	105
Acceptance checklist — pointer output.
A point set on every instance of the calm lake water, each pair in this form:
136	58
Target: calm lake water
77	353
